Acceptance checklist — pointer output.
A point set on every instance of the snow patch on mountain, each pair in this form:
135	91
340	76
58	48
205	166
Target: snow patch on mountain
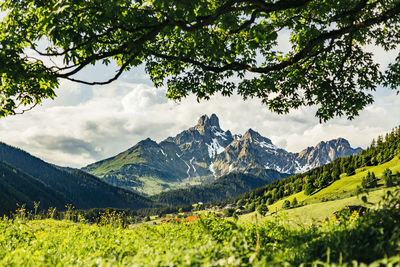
214	148
274	167
218	132
211	168
191	164
266	145
300	168
230	167
188	170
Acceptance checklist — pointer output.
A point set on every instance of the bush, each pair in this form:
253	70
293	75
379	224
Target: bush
388	177
262	209
286	204
251	207
228	212
294	203
370	181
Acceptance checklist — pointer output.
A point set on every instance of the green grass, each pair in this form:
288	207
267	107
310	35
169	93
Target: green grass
316	212
115	164
343	186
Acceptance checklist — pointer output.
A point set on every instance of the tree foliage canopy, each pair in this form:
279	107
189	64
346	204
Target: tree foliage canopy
203	47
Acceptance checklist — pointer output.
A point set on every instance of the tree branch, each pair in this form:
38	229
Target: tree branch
116	76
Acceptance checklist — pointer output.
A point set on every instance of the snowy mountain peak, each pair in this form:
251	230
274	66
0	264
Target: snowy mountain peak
325	152
250	135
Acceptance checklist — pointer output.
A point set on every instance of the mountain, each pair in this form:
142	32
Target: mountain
17	187
176	162
325	152
204	152
255	151
225	187
76	187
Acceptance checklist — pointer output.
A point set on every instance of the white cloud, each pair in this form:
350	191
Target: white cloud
142	96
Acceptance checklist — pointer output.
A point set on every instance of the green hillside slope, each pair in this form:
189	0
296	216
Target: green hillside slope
313	181
80	189
144	168
338	180
339	194
346	186
17	187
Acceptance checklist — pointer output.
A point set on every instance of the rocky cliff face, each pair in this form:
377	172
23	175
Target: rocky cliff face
325	152
255	151
199	146
252	151
207	150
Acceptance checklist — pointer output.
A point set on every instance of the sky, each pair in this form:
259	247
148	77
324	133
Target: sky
85	124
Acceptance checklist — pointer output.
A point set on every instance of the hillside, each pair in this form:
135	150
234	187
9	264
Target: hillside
225	187
339	194
80	189
17	187
204	152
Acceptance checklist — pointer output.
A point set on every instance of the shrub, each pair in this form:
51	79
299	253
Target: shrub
294	203
388	177
369	181
228	212
286	204
262	209
251	207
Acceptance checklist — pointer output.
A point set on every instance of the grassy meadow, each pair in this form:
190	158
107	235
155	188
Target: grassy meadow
285	240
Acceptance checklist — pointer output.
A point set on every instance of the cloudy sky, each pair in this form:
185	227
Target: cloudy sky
85	124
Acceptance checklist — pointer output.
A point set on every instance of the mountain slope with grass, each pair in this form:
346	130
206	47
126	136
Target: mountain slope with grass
346	191
78	188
